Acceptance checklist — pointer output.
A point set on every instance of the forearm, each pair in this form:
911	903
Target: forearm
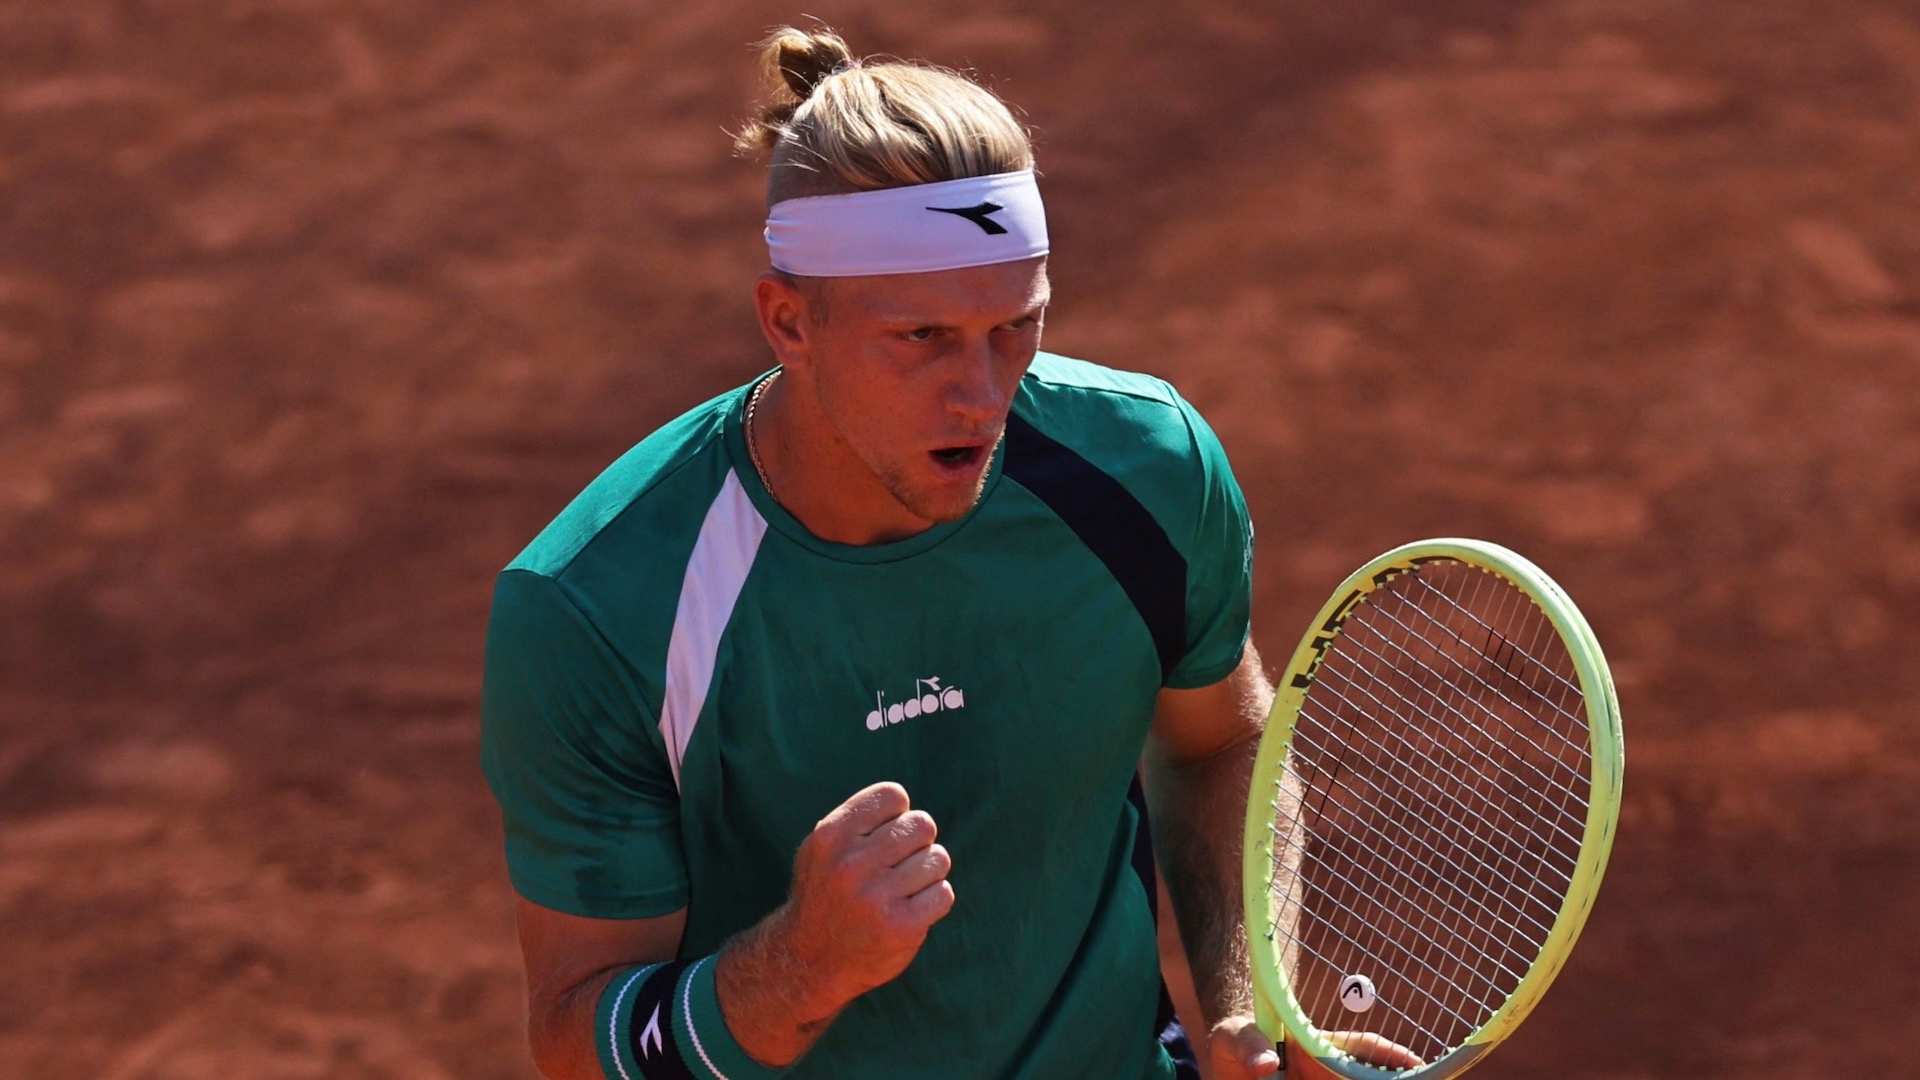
1197	809
757	993
771	995
562	1033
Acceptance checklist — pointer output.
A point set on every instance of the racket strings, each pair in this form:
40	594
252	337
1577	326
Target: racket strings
1507	841
1290	838
1429	767
1421	990
1399	948
1429	815
1474	830
1455	778
1382	883
1495	646
1376	792
1386	611
1344	938
1554	755
1439	761
1539	666
1458	800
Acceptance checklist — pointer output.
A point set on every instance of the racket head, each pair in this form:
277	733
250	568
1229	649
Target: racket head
1298	732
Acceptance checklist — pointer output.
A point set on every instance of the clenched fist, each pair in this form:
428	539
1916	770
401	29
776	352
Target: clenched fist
867	884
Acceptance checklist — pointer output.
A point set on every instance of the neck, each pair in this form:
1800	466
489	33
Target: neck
815	476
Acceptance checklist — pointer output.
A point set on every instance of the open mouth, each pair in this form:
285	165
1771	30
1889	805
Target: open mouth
958	458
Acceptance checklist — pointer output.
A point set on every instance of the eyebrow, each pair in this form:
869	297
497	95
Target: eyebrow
1036	309
1039	304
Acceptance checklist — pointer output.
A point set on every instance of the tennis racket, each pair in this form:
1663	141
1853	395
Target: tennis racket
1432	807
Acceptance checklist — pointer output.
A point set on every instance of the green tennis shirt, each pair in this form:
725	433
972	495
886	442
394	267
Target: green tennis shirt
681	680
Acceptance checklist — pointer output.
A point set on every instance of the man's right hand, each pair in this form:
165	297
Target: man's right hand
868	882
1375	1050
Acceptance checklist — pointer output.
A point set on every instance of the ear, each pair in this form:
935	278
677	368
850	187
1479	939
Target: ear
783	310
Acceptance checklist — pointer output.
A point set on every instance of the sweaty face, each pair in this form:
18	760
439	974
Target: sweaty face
917	372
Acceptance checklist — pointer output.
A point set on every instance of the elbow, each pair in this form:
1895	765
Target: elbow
555	1056
540	1049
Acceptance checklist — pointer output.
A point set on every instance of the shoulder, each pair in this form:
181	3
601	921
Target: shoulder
1134	427
609	567
1081	427
655	492
1053	373
1124	418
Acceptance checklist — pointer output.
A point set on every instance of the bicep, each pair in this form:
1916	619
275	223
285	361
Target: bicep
1192	725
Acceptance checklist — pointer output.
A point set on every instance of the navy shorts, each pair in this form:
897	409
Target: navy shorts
1174	1038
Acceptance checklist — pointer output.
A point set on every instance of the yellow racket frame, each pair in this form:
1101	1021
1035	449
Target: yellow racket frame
1279	1015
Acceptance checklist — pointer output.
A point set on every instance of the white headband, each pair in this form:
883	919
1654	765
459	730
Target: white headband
910	230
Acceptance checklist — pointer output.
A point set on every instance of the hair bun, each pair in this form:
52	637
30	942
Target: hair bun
800	59
886	123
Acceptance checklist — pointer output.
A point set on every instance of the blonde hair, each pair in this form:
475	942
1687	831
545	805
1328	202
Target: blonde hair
836	124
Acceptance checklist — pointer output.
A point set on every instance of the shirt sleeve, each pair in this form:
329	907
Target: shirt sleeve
573	757
1219	566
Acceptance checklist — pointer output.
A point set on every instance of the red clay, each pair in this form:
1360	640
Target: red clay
311	314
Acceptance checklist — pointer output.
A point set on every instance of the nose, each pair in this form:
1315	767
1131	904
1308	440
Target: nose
974	393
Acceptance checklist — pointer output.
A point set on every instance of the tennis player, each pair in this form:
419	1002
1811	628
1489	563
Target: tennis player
813	719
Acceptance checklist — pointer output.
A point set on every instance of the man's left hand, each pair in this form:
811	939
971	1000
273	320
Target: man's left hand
1237	1049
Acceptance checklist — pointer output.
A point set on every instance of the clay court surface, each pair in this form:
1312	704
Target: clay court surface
312	313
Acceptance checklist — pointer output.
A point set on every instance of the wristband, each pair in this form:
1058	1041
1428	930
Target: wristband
663	1022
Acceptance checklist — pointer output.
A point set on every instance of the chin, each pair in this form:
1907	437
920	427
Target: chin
941	505
943	509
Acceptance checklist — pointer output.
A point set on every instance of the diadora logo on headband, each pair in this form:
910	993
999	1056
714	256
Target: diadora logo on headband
979	215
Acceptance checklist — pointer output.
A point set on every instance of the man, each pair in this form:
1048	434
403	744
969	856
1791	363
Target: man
813	718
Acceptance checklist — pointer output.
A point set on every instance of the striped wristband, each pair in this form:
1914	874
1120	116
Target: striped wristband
663	1022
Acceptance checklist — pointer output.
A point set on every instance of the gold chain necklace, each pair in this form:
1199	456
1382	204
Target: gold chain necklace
753	448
